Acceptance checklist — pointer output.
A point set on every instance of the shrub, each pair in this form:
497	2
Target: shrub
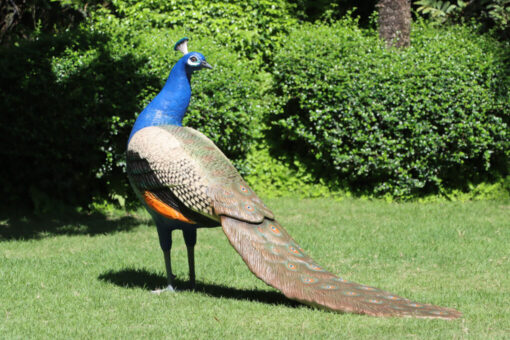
490	13
227	102
69	102
269	176
61	99
252	28
431	116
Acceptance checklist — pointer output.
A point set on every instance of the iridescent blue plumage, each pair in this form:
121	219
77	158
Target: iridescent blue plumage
170	105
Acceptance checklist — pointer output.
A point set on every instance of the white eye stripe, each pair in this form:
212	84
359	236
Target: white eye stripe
193	61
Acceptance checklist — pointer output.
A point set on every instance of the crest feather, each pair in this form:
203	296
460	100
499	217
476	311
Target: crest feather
182	45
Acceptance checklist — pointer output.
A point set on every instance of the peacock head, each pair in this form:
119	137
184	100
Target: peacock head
193	61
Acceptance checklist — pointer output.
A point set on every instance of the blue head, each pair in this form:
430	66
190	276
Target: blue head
170	105
194	61
191	61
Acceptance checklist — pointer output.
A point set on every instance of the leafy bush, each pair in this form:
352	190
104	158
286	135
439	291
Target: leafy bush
69	102
22	18
270	176
227	102
493	13
431	116
61	96
252	28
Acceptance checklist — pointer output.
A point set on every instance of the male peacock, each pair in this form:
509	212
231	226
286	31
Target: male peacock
186	182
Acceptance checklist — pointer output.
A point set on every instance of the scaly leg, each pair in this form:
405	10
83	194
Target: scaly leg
190	238
169	275
165	241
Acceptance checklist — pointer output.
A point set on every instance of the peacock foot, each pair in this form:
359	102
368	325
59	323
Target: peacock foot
169	289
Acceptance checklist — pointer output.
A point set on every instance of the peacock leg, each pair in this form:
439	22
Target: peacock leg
168	266
165	241
190	238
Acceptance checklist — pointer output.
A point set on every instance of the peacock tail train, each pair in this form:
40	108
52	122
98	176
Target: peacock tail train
184	170
275	258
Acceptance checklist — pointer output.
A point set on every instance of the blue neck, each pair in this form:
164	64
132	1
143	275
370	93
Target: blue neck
169	106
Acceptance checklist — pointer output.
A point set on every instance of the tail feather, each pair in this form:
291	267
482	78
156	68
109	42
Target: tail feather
275	258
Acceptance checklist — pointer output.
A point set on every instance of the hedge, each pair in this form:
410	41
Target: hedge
252	28
402	123
69	101
330	99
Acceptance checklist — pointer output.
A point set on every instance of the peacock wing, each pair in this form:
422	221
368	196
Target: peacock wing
274	257
182	167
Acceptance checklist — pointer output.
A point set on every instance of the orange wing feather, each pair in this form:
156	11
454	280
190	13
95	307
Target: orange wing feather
161	208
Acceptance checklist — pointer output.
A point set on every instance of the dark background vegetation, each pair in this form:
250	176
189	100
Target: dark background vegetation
305	84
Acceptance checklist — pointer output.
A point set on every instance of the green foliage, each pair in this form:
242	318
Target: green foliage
62	97
493	13
70	100
71	94
270	176
440	10
227	102
499	190
252	28
325	10
413	122
22	18
499	12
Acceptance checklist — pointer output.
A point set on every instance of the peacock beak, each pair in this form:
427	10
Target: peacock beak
205	64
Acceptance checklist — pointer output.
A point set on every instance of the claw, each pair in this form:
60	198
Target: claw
169	289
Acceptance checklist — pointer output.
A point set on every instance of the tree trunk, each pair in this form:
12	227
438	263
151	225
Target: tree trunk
395	22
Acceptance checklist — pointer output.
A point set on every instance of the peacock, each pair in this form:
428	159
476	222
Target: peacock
185	182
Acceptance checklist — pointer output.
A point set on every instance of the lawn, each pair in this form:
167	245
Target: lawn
90	276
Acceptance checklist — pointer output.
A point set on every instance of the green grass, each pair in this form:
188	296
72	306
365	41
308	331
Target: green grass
90	277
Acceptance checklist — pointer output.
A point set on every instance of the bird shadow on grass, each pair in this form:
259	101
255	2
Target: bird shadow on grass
141	278
26	226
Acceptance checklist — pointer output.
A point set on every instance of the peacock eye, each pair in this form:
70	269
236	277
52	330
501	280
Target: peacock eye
193	61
